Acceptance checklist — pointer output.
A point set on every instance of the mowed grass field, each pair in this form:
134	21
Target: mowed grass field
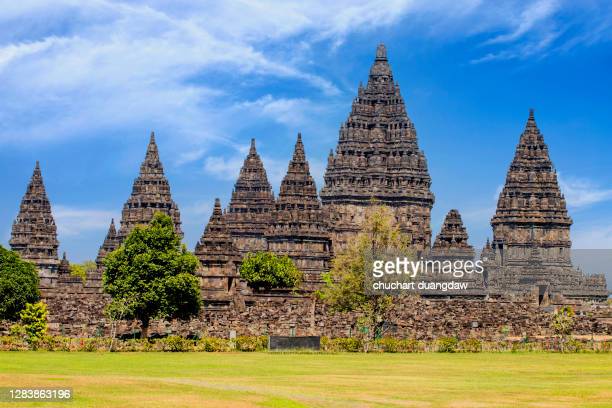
314	380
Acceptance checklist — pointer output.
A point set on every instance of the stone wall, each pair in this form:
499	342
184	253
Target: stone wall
77	310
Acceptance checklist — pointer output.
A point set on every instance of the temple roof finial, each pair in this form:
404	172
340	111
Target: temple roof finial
531	123
381	52
253	149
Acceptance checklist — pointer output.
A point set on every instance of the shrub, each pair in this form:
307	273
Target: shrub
212	344
574	346
388	345
447	344
349	344
12	343
267	270
34	319
470	346
251	343
176	344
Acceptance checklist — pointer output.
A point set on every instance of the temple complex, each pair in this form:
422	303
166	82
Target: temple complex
34	233
299	227
378	158
377	161
250	209
531	245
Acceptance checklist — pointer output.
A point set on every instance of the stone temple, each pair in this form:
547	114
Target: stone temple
377	160
531	230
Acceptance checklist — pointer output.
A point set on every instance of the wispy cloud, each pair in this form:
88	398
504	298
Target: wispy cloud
85	67
580	192
72	221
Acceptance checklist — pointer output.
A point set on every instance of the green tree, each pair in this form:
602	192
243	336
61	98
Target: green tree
152	275
266	270
18	284
562	323
344	285
34	320
83	269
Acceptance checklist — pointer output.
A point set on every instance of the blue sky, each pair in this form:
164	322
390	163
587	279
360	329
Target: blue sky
83	83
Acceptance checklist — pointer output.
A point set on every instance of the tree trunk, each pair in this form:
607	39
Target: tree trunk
144	329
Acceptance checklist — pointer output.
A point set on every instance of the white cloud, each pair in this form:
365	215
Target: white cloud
82	68
72	221
592	236
580	192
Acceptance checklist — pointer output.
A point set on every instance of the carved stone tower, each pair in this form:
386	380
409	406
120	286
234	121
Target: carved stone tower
150	194
530	253
219	259
251	206
109	245
299	228
378	158
34	233
453	237
531	208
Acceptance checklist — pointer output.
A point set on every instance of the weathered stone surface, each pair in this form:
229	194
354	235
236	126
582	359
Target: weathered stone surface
299	227
531	245
75	314
150	194
378	158
111	242
34	233
451	247
250	209
219	259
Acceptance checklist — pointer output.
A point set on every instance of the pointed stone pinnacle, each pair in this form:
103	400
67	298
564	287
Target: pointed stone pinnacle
252	149
381	52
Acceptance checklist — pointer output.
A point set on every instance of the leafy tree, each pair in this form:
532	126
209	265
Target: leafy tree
18	284
34	320
152	275
562	323
267	270
83	269
344	285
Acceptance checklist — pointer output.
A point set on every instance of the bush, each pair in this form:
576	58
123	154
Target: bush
34	320
470	346
348	344
574	346
266	270
251	343
447	345
212	344
12	343
176	344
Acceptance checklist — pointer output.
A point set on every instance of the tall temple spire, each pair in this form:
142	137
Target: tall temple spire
251	205
378	157
299	228
531	200
531	245
150	194
34	233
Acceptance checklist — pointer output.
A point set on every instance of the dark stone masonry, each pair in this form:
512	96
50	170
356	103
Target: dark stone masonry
528	270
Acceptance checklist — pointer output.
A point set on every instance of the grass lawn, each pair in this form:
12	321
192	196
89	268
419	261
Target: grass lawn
314	380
